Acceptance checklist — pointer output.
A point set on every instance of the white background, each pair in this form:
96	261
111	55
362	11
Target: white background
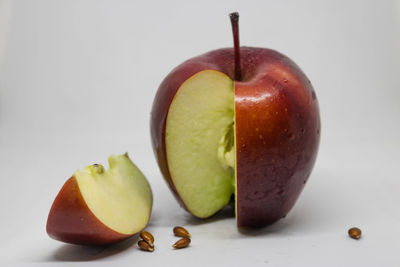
77	81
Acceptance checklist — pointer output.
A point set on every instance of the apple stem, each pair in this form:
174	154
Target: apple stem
236	45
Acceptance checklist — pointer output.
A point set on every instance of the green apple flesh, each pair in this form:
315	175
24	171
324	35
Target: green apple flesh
199	138
120	198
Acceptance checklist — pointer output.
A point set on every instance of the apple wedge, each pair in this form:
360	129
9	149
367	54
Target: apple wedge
97	206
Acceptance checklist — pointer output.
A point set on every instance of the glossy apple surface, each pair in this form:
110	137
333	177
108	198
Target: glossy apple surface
277	136
99	207
277	129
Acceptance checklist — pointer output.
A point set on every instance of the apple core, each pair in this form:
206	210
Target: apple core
226	148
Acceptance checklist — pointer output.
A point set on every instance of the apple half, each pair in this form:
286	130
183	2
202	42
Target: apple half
97	206
240	122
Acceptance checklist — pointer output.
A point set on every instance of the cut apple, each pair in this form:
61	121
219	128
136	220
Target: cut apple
243	122
97	207
199	142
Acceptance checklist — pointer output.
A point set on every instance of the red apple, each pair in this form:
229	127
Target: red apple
243	122
98	207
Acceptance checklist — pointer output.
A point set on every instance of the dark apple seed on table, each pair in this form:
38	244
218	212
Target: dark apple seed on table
181	232
354	233
181	243
143	245
146	236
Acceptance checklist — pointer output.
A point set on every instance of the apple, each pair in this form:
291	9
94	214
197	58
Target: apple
99	207
242	122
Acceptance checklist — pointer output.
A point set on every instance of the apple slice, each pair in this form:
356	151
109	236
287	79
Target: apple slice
97	207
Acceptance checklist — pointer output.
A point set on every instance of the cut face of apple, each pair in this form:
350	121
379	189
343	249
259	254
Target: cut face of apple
199	142
98	206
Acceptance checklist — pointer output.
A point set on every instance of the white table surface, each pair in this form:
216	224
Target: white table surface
77	80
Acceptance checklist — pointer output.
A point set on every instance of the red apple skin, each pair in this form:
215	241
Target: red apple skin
71	221
277	138
277	129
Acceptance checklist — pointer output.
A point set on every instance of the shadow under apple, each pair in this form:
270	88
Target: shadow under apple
307	216
312	212
225	213
69	252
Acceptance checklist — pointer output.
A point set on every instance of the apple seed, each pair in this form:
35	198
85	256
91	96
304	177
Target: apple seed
181	232
143	245
148	238
181	243
98	168
354	233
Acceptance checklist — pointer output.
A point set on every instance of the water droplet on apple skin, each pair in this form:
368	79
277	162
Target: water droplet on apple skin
313	95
